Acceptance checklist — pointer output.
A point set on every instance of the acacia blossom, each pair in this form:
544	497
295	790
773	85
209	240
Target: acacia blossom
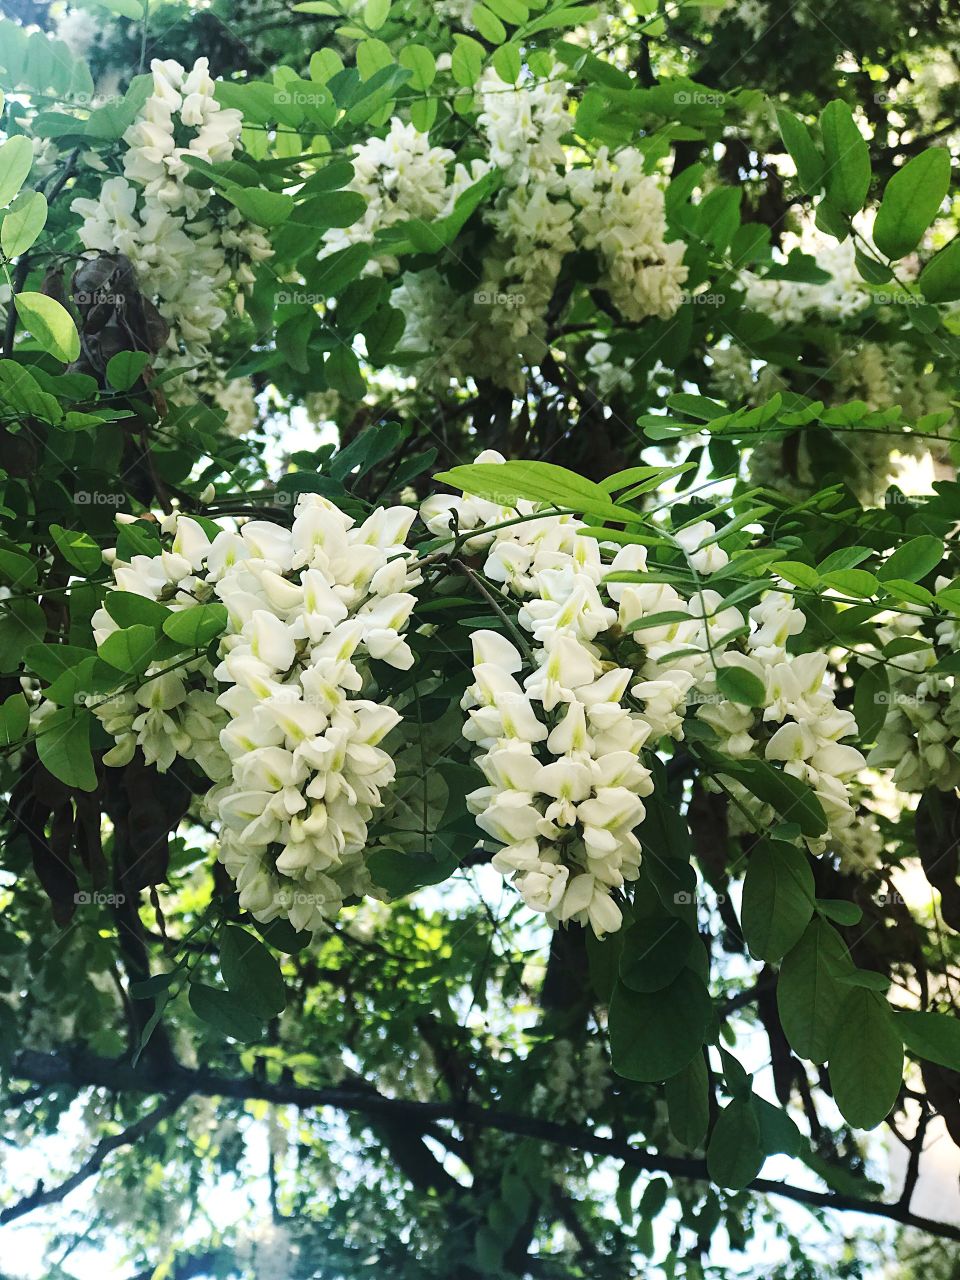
193	253
296	723
563	720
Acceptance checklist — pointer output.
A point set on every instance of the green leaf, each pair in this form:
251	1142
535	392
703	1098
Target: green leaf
19	570
226	1012
343	372
22	223
655	950
506	482
653	1035
866	1059
50	323
266	208
940	279
488	24
127	608
793	799
809	995
14	719
934	1037
871	701
195	627
515	12
131	649
778	895
16	157
852	582
778	1133
251	972
914	560
840	911
125	368
78	549
400	873
803	151
688	1105
63	745
847	156
507	63
375	13
421	63
22	623
467	61
734	1153
911	201
740	685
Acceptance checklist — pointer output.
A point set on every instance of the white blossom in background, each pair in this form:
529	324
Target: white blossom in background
281	723
920	736
551	203
792	301
401	176
192	255
622	216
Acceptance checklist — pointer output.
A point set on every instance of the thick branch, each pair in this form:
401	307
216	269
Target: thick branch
80	1069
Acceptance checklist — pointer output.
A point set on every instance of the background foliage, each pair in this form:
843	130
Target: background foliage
440	1084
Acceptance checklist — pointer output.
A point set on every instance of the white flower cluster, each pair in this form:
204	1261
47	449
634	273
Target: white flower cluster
174	712
621	215
798	724
920	736
294	747
194	259
561	721
793	301
401	176
547	208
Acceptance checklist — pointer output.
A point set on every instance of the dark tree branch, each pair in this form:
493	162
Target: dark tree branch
80	1068
42	1195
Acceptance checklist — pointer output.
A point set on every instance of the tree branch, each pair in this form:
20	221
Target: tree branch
80	1068
42	1195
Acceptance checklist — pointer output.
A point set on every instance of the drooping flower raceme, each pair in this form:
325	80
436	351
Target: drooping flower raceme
551	202
193	253
295	748
563	710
